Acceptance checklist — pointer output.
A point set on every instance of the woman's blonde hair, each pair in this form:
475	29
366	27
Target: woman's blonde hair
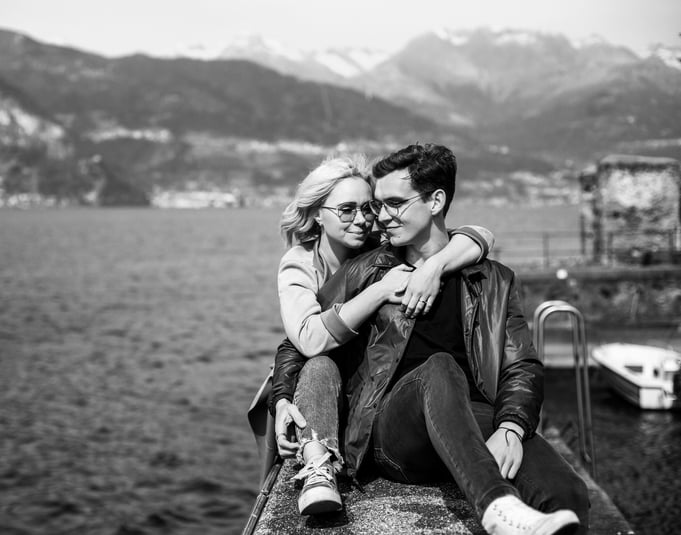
297	224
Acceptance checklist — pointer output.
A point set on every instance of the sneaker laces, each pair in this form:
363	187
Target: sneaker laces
315	469
516	514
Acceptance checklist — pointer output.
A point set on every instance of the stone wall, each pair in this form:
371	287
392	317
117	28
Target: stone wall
632	205
623	296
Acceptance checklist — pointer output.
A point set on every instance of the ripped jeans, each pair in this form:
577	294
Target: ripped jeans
318	397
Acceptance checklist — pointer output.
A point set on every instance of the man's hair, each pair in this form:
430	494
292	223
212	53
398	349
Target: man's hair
430	167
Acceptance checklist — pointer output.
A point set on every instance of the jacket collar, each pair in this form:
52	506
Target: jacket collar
387	256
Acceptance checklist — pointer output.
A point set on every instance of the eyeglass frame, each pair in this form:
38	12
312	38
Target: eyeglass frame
376	205
368	213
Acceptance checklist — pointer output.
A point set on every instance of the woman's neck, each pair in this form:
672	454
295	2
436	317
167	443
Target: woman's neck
333	253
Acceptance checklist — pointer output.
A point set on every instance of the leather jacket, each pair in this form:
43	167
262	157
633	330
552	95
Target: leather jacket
498	344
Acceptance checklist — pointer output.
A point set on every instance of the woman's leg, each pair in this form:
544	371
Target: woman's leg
317	396
425	429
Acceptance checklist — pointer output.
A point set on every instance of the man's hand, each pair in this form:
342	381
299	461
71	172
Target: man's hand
507	448
286	414
422	288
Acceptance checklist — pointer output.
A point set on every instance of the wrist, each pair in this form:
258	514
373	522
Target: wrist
513	428
435	263
383	292
280	403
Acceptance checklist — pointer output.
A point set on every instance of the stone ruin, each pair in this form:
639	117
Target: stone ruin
631	209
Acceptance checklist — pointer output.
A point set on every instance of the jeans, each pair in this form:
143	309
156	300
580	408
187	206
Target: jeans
318	397
427	426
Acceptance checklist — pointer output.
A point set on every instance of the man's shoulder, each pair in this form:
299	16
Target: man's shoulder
382	256
489	269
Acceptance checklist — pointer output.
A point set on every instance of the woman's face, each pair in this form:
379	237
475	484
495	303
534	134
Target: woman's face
348	194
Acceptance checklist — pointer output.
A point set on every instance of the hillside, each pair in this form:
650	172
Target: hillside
524	111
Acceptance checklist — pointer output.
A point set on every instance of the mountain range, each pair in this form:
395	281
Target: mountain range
260	116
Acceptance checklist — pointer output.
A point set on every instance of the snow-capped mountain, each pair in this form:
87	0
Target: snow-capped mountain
670	56
332	65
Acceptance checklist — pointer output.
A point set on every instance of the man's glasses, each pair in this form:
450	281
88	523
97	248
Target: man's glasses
347	212
394	207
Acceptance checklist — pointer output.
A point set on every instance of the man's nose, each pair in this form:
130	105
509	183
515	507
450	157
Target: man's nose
383	216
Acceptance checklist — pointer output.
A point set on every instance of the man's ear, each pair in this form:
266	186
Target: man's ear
438	198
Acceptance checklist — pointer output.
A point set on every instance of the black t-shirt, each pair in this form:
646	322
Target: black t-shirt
441	330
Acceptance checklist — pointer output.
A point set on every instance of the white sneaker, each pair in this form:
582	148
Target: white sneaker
320	493
508	515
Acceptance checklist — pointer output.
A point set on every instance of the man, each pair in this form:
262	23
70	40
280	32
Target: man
456	390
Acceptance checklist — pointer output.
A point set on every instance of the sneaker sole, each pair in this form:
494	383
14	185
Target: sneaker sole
327	502
563	522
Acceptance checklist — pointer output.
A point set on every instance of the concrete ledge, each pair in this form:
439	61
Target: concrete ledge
387	507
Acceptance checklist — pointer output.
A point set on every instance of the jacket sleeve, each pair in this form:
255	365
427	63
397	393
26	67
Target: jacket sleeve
287	365
520	392
312	331
289	361
480	235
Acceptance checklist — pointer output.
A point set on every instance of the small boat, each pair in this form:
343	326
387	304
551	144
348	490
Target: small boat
647	376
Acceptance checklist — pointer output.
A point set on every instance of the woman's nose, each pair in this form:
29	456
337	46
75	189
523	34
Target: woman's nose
362	218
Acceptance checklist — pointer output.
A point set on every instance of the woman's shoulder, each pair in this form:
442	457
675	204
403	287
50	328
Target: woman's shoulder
298	254
299	268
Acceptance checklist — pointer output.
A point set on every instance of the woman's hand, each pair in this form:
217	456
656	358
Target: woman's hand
507	449
395	282
286	414
422	288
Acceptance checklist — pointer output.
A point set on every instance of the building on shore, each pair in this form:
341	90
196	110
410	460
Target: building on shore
631	209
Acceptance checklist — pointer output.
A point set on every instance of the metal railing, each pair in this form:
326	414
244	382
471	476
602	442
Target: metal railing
581	362
567	247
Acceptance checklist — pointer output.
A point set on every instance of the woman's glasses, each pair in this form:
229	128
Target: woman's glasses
347	212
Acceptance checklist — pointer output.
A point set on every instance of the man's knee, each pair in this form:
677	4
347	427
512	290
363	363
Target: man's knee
442	366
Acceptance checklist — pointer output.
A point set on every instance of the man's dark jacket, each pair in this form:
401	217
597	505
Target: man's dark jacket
498	345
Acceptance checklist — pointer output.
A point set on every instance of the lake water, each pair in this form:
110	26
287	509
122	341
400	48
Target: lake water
132	341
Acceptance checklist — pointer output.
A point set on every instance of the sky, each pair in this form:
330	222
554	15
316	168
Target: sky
162	27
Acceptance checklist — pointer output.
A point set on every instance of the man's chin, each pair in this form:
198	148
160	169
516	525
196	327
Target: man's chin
395	241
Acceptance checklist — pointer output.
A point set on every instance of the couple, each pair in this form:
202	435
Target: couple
430	367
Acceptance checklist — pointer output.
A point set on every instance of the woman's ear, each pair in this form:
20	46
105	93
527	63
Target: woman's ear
438	198
318	218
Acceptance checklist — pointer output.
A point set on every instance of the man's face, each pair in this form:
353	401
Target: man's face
405	216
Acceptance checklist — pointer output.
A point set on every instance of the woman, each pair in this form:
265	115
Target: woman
329	221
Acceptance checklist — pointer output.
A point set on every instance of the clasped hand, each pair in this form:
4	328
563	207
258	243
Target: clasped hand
414	289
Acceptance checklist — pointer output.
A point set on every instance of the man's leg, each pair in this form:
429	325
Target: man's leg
425	429
545	480
426	426
318	397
